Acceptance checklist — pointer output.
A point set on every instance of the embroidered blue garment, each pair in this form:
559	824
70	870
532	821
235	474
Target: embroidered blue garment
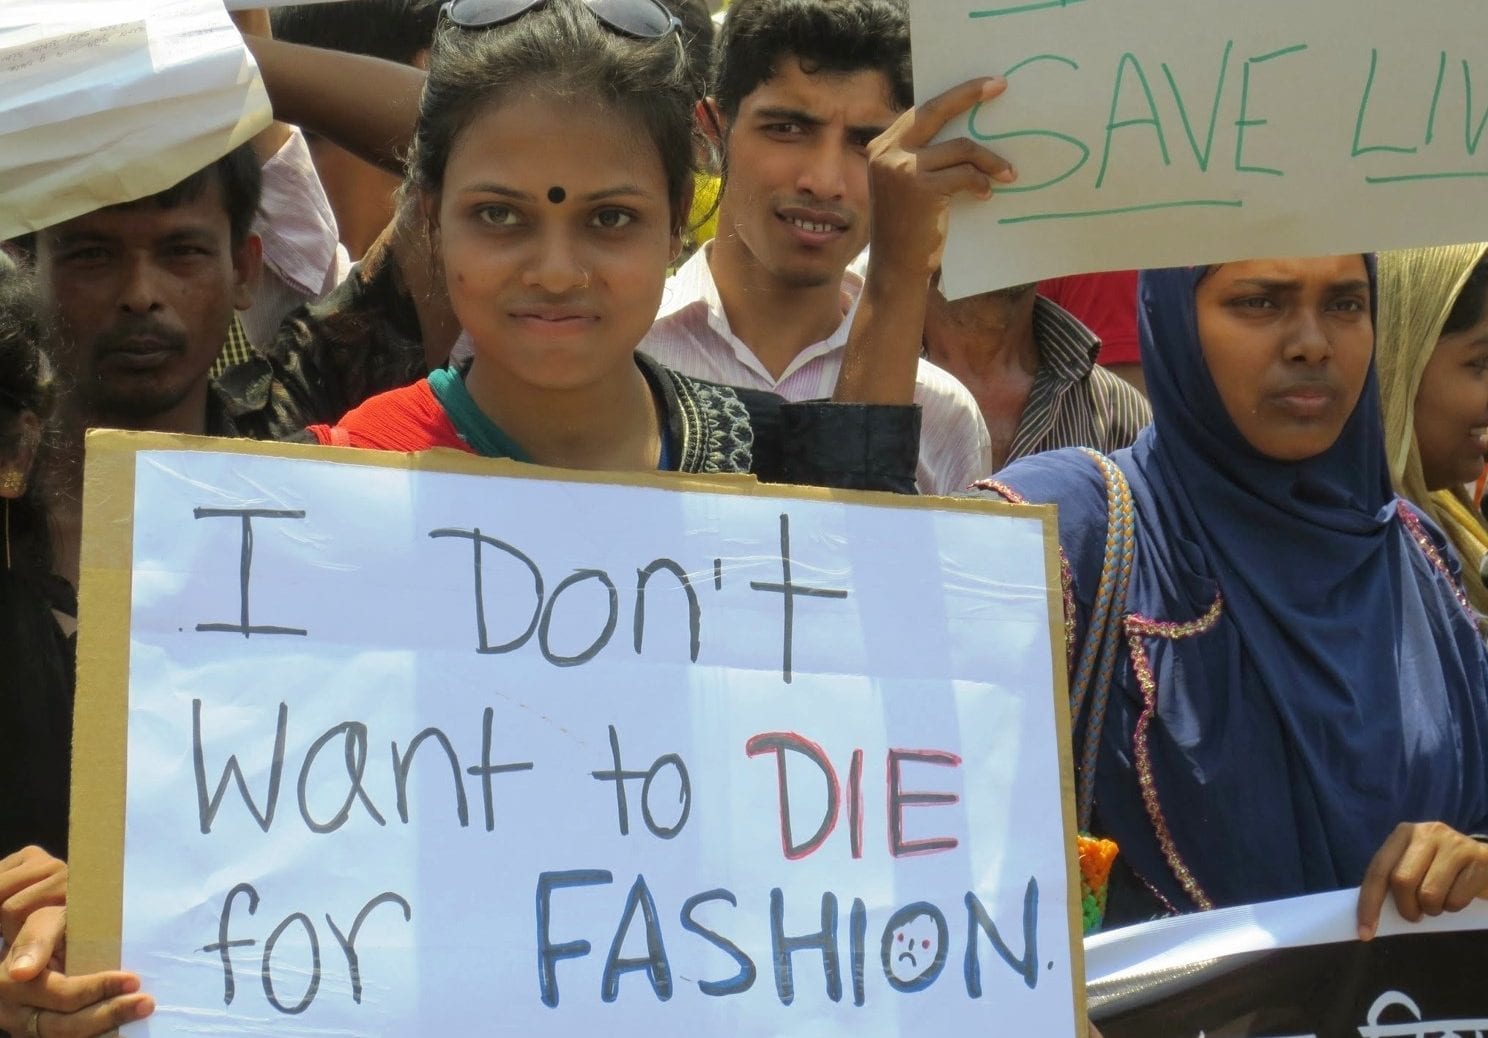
1343	689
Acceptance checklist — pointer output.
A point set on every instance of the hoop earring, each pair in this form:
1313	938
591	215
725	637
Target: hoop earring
715	156
12	485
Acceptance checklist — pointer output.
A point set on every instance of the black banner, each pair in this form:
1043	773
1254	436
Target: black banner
1416	985
1409	982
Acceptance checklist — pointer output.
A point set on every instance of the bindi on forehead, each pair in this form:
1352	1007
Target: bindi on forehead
556	195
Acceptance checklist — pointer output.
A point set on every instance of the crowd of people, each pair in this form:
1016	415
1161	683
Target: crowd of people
487	225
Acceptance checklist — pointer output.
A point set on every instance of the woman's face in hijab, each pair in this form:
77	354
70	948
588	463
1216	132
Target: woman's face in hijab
1288	343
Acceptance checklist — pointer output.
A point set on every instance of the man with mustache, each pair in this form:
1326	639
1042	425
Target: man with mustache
140	297
800	89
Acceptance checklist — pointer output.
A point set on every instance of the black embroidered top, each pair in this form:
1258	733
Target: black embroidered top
709	429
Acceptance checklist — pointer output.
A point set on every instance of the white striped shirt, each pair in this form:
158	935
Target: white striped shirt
302	259
692	335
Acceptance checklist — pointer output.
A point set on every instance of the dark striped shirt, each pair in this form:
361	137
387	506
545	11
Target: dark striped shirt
1074	402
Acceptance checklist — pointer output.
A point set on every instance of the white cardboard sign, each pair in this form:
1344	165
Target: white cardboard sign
422	752
1149	133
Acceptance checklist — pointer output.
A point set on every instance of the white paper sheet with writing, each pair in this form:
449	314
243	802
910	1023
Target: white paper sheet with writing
1148	133
106	101
406	803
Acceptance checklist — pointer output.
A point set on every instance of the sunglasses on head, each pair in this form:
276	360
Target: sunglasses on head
642	19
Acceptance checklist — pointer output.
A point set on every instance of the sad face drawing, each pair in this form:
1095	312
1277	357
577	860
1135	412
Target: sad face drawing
914	947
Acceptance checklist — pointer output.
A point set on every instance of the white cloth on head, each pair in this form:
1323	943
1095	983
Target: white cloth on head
303	258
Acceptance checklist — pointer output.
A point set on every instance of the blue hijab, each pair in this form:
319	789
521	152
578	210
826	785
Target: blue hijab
1343	688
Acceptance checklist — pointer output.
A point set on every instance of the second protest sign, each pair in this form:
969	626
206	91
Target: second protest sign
1151	134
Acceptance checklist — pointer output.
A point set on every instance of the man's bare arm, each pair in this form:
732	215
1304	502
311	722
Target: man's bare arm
366	105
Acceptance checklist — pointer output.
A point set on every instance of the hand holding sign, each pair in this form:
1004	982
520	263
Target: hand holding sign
33	893
29	879
912	182
36	997
1429	867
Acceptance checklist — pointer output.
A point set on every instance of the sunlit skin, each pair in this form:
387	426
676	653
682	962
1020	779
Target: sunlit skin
556	295
1452	408
987	342
798	153
1288	343
143	299
795	205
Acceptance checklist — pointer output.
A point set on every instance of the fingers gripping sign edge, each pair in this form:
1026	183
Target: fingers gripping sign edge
924	121
1427	868
97	1019
40	937
1376	885
913	183
74	1007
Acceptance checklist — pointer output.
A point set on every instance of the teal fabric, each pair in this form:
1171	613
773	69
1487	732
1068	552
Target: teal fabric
486	437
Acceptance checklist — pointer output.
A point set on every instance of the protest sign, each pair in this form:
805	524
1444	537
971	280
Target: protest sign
415	748
107	101
1147	134
1292	969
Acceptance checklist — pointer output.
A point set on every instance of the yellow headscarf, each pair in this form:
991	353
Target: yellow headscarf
1417	289
703	220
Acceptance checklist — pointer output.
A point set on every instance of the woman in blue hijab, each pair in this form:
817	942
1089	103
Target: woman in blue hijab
1297	674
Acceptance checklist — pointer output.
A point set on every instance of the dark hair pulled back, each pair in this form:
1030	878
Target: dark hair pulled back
559	50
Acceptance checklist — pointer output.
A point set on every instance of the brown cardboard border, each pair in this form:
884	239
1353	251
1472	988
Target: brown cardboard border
1054	576
100	716
96	891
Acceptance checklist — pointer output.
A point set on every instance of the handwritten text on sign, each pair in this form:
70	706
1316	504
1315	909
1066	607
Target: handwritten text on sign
416	752
1151	134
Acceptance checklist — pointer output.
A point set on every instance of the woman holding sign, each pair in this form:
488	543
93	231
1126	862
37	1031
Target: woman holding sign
1290	694
554	162
1433	357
